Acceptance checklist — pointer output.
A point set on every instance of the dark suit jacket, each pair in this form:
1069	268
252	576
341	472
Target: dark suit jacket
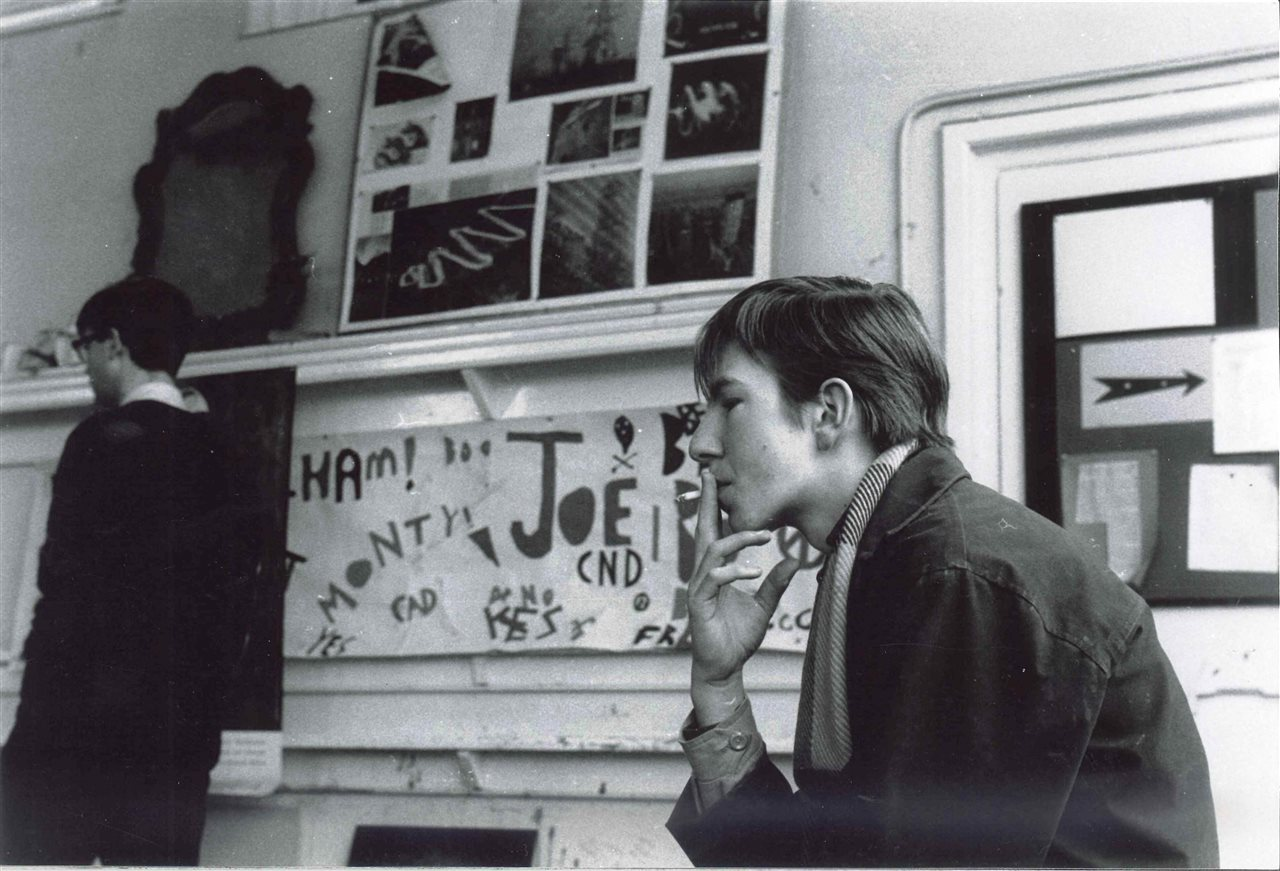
1009	701
133	634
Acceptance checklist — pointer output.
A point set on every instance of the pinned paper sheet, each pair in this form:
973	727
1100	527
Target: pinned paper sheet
1142	267
250	764
1231	525
1109	502
1246	395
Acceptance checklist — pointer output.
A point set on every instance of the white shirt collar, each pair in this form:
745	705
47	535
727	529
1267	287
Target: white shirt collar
157	391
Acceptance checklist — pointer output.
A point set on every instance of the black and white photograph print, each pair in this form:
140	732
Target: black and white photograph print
568	46
372	258
625	139
702	225
460	254
589	240
631	107
408	67
580	130
404	143
391	200
716	106
472	129
698	25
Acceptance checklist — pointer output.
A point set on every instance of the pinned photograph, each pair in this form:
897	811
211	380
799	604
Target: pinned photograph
625	139
372	260
570	46
703	225
391	200
579	131
472	130
716	106
404	143
455	255
589	242
631	107
408	67
596	128
698	25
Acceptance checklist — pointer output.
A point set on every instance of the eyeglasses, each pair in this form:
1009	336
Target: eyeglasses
79	343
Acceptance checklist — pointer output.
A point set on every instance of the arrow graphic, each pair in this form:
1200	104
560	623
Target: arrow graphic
1122	388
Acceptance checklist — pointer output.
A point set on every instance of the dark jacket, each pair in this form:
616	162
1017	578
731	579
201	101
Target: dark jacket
1009	701
132	636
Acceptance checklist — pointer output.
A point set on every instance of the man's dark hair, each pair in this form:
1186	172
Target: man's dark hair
154	319
807	329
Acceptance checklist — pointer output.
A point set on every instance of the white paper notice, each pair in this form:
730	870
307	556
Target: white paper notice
1134	268
250	764
1107	492
1246	392
1232	524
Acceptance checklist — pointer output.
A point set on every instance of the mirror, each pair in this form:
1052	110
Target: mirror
217	205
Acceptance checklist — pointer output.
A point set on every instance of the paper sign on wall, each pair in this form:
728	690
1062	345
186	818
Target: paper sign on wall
1231	526
1246	394
1141	267
1110	501
506	535
1141	382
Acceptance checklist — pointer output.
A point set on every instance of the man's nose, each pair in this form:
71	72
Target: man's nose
703	445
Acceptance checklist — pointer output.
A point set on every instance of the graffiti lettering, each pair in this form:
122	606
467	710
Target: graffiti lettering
791	622
604	572
329	603
415	523
614	511
347	467
404	608
515	620
450	515
453	453
537	544
664	636
291	561
320	477
392	544
330	643
578	628
378	462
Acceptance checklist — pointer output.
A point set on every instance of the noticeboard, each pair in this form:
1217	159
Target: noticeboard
1150	385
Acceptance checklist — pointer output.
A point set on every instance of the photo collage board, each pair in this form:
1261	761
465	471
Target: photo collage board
530	155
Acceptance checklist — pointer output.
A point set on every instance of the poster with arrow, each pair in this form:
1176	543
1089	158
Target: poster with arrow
1143	382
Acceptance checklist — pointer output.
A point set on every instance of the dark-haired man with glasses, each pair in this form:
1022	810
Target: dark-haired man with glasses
125	665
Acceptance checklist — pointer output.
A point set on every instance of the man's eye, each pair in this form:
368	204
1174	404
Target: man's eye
731	404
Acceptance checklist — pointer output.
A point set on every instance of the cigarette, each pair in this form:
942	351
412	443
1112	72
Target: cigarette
689	496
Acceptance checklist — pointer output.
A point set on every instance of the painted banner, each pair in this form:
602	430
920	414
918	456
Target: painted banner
509	535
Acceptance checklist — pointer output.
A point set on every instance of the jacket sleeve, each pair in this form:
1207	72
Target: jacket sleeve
747	827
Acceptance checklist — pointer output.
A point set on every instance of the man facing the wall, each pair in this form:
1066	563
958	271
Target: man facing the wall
976	690
134	635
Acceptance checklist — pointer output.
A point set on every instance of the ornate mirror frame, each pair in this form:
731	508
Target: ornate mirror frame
217	205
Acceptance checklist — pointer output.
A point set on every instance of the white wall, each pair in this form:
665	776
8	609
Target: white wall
77	110
78	106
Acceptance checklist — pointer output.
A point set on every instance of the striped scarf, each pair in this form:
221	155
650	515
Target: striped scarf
823	740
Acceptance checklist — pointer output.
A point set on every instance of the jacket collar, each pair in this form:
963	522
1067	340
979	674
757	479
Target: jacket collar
918	483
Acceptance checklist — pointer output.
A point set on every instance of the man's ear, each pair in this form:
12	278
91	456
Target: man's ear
116	346
837	413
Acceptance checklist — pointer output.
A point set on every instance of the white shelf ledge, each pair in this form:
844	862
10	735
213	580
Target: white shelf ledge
527	338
